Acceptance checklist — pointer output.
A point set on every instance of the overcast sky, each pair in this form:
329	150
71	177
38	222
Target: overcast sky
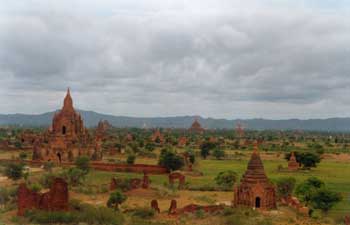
223	59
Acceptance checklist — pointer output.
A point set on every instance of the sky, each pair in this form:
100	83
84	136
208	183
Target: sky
274	59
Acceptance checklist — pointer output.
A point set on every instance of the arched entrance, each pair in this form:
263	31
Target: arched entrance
59	156
64	130
257	202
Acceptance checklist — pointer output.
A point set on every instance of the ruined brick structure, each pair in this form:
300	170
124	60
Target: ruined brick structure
293	165
177	176
196	127
157	137
255	189
173	207
154	205
67	138
56	199
182	141
134	183
101	129
347	220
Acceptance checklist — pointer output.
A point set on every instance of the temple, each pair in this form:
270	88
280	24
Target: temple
255	189
67	138
293	165
196	127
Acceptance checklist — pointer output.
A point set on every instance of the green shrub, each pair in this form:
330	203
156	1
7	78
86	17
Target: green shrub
131	159
144	213
50	217
83	163
14	171
226	179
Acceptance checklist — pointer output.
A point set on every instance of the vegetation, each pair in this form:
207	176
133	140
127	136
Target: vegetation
14	171
170	160
115	199
226	179
285	186
83	163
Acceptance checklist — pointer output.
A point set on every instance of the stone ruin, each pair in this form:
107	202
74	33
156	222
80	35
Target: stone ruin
192	208
293	165
56	199
177	176
154	205
294	203
347	220
255	189
134	183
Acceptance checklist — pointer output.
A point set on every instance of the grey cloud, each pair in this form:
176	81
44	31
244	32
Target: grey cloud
176	57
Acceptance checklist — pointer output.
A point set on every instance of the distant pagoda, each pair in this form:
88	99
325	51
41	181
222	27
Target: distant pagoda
293	165
196	127
255	189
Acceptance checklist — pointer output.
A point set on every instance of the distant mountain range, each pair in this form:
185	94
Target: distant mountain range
92	118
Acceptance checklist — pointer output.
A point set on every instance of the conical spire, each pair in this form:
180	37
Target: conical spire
255	171
68	102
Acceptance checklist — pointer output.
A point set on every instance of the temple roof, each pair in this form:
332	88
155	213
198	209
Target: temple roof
255	172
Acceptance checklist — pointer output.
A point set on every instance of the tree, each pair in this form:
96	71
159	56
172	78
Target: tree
170	160
324	199
115	199
309	160
14	171
131	159
226	179
285	186
74	176
305	189
218	153
83	163
206	147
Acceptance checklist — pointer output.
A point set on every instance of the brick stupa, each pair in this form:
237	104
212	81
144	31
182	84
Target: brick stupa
293	165
196	127
255	189
67	138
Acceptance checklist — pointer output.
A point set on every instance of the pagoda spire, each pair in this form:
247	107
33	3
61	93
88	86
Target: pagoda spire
68	101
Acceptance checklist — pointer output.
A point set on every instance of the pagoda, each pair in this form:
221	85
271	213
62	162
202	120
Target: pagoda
255	190
67	138
196	127
293	165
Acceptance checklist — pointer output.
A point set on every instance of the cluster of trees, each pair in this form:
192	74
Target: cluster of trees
313	192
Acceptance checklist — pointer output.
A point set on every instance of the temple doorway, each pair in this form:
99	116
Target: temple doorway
59	156
257	202
64	130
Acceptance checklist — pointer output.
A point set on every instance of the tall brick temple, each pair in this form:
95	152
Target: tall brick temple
196	127
255	189
67	138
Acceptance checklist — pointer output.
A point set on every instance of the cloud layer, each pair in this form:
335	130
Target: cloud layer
157	58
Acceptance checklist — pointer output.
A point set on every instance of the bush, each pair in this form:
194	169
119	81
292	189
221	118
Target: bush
206	147
226	179
115	199
218	153
285	186
83	163
131	159
324	199
74	176
144	213
305	189
14	171
50	217
23	155
35	187
170	160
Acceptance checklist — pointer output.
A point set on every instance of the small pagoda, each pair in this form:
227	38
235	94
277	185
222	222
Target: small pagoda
293	165
255	189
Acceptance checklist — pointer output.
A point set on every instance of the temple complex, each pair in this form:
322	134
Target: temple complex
255	189
196	127
293	164
67	138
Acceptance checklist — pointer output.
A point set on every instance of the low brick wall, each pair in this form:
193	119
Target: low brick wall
135	168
